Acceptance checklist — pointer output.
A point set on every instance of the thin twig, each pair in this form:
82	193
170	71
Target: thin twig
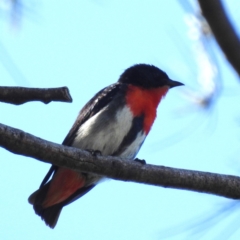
20	95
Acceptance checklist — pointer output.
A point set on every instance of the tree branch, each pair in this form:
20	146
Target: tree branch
223	31
19	142
20	95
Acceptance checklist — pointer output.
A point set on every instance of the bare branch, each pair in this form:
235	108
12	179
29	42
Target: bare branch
19	142
20	95
223	30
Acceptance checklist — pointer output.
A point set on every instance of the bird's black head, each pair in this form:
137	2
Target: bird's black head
147	76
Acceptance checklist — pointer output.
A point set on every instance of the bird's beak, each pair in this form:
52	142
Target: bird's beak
172	83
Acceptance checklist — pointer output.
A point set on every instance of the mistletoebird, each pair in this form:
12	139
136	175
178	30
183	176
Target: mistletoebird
115	122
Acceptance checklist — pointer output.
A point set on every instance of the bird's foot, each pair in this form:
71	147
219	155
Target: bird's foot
95	153
142	161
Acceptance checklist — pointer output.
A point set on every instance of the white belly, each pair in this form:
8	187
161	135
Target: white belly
105	133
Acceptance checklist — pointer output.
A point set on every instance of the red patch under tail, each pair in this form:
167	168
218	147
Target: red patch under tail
49	200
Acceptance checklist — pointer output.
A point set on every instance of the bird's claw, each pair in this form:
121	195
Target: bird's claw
95	153
142	161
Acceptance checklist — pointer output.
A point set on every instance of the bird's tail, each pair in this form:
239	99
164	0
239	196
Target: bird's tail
51	214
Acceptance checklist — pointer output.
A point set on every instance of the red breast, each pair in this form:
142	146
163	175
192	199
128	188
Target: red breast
145	101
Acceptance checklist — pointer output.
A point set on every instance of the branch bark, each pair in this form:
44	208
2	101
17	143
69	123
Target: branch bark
19	142
223	30
20	95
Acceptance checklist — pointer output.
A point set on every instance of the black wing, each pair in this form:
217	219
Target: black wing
98	102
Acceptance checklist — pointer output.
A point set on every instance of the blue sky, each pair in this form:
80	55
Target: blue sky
86	45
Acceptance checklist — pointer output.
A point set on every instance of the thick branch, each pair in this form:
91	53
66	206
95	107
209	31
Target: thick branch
223	30
20	95
26	144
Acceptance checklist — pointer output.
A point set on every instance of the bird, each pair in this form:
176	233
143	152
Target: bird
114	122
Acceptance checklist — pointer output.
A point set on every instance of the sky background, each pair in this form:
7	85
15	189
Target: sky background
86	45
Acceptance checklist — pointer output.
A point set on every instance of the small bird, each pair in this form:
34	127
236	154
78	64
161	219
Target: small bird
114	122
